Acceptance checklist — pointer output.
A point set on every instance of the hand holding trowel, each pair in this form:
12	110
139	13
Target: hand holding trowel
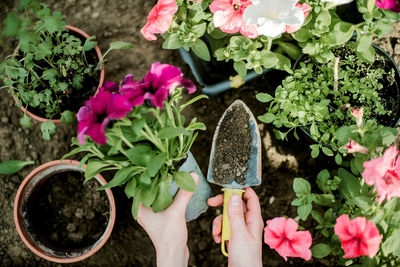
235	159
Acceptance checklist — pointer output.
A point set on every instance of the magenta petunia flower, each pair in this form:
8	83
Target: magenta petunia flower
98	112
359	236
161	80
393	5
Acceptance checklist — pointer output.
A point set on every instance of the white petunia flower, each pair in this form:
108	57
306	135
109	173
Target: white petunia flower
338	2
272	16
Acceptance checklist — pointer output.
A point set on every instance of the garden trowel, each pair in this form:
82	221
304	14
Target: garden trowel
235	159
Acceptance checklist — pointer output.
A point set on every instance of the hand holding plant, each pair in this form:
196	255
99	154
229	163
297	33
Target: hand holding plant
137	129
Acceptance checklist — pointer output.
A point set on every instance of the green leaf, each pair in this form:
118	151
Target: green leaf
349	186
149	195
321	250
292	50
201	50
343	31
364	42
327	151
324	199
53	23
171	132
199	29
42	51
267	118
269	60
367	55
196	126
338	159
185	181
264	97
94	167
240	68
12	24
130	188
391	243
136	203
25	121
48	128
49	74
77	81
363	203
13	166
322	179
137	126
304	211
301	186
163	198
145	179
155	164
90	43
120	177
68	116
172	42
120	45
140	154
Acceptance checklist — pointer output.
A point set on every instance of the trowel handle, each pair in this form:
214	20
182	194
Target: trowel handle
226	224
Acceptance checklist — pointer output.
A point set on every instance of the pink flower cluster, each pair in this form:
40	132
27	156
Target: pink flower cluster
114	101
384	174
359	237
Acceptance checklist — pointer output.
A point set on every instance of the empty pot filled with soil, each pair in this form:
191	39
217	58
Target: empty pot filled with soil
59	217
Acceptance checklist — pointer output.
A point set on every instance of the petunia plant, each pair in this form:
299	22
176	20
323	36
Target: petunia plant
137	129
251	34
357	207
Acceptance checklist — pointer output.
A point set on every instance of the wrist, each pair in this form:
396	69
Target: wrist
172	256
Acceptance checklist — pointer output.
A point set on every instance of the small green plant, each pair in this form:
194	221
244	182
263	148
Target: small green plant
52	69
320	97
325	29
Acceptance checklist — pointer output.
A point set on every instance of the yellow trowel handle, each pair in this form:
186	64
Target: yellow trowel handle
226	224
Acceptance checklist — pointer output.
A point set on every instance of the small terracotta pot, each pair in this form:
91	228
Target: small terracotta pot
102	75
29	185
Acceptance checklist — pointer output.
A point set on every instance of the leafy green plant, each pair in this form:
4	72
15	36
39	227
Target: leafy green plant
145	145
51	69
319	98
13	166
326	29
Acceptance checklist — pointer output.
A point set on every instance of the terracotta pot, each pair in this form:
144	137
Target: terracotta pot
31	183
101	81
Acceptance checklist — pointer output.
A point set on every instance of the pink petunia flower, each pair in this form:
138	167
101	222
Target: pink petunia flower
358	114
393	5
353	147
159	19
228	17
306	8
384	174
161	80
359	237
97	114
281	234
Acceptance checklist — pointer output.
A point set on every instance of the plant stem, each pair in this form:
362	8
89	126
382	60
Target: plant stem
269	44
336	74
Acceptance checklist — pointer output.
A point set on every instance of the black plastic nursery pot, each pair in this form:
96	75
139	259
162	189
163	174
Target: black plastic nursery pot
60	219
394	91
214	75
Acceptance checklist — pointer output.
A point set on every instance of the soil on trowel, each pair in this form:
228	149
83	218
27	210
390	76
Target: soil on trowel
233	147
67	215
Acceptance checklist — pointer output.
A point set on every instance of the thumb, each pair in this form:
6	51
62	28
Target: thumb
182	198
236	215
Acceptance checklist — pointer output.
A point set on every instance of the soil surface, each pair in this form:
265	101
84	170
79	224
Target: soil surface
129	245
233	147
67	215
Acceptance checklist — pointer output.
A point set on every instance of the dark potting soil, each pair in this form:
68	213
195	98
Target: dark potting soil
233	147
67	215
72	99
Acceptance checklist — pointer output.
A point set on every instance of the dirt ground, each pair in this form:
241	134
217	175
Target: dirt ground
129	245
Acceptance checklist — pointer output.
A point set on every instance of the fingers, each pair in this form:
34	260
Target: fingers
216	229
254	220
236	215
216	201
182	198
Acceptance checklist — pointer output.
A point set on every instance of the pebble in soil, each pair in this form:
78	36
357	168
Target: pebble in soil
67	215
233	147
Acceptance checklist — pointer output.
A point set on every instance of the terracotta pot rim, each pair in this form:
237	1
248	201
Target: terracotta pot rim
101	81
31	244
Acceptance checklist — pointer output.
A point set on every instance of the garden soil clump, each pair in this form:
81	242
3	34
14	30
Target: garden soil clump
129	245
66	215
233	147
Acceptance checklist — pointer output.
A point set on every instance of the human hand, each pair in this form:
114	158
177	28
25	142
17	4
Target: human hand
167	229
245	244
